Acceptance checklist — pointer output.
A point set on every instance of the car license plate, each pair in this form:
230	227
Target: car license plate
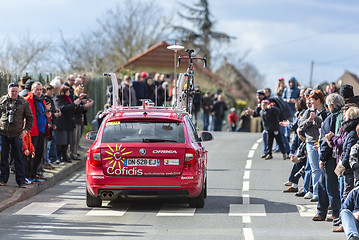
142	162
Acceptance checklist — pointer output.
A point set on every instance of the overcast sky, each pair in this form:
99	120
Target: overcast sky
281	37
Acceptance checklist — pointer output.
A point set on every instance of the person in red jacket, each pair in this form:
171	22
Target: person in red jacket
41	115
233	119
28	151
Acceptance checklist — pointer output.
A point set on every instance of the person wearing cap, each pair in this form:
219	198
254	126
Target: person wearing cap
16	120
347	92
270	121
27	88
280	87
256	113
140	87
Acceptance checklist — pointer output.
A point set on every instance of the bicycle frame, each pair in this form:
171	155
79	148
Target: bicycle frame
188	91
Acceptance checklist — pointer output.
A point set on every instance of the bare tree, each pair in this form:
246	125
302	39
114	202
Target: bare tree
122	33
200	17
251	73
25	54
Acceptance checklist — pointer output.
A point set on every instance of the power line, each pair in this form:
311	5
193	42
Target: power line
338	60
304	38
317	63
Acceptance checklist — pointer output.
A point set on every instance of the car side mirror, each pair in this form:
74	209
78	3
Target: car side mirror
206	136
91	135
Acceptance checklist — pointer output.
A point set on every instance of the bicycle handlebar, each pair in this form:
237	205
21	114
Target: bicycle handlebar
190	58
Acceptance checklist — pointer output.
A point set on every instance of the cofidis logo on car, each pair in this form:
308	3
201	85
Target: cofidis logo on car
115	165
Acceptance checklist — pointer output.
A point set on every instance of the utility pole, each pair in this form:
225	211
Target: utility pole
311	75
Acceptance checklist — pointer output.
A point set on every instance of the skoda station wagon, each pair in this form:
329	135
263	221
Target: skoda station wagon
143	153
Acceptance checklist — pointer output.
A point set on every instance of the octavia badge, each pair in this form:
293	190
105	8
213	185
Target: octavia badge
142	151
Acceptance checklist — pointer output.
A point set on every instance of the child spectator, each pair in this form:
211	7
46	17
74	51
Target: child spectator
270	121
233	119
28	151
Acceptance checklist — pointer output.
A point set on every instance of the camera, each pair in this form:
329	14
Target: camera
11	116
300	172
10	112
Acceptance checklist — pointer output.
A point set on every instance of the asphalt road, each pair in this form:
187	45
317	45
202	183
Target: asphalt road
245	201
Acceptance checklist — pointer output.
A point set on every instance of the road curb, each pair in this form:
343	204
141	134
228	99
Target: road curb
21	194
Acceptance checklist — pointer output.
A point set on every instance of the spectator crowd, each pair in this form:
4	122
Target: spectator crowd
316	129
157	89
38	123
320	137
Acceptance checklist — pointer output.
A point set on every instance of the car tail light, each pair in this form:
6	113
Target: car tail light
190	158
95	157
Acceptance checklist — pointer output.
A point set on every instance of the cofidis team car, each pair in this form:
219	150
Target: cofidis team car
141	152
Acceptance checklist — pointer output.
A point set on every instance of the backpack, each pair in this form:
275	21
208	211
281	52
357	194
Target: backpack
285	113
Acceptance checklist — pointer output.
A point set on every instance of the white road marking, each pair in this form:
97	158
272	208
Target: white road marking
245	198
245	186
307	210
246	175
40	208
251	154
176	211
248	234
253	210
110	212
246	210
255	146
248	164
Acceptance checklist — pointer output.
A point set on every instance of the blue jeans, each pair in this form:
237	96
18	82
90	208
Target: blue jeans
328	190
205	120
265	140
284	133
313	158
341	188
292	177
307	176
350	224
16	146
51	153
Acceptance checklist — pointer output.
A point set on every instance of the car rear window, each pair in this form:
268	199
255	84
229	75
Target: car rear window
143	131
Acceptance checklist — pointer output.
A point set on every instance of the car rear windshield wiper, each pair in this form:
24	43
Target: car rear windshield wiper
156	140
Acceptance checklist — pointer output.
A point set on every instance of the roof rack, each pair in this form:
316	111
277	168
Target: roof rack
147	104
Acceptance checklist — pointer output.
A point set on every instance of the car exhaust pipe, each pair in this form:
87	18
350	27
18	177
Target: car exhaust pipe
104	194
108	195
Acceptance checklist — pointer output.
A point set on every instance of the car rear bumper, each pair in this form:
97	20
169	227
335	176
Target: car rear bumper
189	184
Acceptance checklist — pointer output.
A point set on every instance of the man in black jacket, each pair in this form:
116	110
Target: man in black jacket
270	122
14	109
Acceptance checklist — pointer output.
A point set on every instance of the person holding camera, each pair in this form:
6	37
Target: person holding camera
14	109
79	119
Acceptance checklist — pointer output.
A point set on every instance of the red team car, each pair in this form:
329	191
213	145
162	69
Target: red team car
146	152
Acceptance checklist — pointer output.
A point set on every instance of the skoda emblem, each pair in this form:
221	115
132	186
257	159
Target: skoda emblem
142	151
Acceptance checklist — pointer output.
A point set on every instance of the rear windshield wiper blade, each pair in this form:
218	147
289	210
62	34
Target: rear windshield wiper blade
156	140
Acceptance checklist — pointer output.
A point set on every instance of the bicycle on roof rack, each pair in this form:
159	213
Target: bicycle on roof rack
185	83
184	90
